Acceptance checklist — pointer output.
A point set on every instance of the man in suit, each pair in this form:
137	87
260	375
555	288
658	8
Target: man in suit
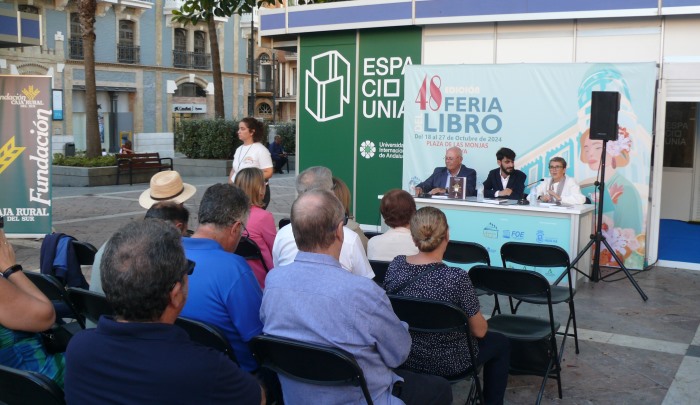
506	181
278	155
438	182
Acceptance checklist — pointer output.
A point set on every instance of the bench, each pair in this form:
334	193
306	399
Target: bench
129	163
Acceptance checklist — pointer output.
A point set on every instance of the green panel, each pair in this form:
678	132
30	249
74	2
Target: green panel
327	102
383	55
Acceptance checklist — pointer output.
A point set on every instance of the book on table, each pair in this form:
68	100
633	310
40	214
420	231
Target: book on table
458	187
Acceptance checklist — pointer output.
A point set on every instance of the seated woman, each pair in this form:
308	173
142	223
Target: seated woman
127	148
425	276
559	188
261	225
24	311
342	191
397	208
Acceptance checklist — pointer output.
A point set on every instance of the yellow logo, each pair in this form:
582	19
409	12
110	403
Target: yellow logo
9	152
31	92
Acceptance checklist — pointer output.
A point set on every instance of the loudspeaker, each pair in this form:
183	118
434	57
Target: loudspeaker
604	108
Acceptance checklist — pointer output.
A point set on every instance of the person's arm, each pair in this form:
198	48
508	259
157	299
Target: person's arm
265	162
358	258
427	185
392	340
572	192
489	188
478	325
517	185
267	173
268	232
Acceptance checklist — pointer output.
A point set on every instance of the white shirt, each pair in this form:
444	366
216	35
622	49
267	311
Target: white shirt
504	183
570	195
352	253
255	155
394	242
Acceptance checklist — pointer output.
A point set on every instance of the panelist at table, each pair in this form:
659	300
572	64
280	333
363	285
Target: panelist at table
505	181
438	182
559	188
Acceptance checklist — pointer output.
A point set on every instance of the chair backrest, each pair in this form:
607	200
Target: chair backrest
466	253
371	234
425	315
207	335
535	255
249	250
18	387
309	363
379	268
510	282
85	252
90	304
283	222
53	289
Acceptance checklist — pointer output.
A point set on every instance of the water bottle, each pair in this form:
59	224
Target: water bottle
533	198
480	192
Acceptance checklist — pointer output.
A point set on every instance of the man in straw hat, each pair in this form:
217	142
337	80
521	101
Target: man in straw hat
164	187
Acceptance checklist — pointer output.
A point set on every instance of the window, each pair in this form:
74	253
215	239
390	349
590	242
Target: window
264	109
127	52
189	90
200	42
75	29
26	8
265	71
180	40
126	32
75	42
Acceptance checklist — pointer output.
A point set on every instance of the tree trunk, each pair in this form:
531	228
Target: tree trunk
216	69
87	23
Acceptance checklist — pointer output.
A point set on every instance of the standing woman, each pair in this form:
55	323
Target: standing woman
252	153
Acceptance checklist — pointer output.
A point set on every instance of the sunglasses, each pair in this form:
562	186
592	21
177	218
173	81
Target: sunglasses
189	269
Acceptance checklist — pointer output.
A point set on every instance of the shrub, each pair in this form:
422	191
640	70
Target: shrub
207	139
80	160
288	132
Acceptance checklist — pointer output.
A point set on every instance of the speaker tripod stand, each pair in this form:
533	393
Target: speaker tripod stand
597	238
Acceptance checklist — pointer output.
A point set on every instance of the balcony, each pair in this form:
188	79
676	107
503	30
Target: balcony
192	60
76	48
127	53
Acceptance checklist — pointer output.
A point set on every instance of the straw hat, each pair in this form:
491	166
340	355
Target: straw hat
166	186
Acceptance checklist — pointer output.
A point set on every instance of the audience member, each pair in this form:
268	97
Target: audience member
352	256
24	311
341	190
252	153
223	291
425	276
397	207
278	155
140	356
559	188
439	181
315	300
261	224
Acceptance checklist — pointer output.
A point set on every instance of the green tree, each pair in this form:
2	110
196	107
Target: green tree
196	11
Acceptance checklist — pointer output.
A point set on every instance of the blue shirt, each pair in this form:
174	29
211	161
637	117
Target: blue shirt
275	150
224	292
315	300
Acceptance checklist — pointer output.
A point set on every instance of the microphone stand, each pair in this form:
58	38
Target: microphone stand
597	238
523	200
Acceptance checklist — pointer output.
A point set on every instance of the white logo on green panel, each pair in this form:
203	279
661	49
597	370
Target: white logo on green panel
367	149
327	86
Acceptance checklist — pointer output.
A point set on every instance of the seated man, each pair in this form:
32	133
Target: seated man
278	155
352	256
506	181
439	181
559	188
315	300
223	291
140	356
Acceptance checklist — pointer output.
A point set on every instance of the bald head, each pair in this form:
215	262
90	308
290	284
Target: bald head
316	215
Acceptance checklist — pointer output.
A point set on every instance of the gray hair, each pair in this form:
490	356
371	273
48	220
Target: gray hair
315	217
223	205
314	178
456	149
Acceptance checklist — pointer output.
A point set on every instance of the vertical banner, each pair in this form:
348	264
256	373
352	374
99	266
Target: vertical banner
540	111
383	56
25	154
327	102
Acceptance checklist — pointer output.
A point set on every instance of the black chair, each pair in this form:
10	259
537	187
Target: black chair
309	363
85	252
545	256
207	335
379	268
533	340
469	253
249	250
429	316
371	234
52	288
283	222
90	304
18	387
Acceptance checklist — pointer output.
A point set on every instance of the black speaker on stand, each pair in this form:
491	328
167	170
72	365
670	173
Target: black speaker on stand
604	108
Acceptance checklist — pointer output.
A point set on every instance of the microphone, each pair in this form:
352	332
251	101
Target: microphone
523	200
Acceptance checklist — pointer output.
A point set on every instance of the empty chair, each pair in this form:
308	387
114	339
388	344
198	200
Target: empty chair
429	316
18	387
545	256
309	363
533	339
208	335
90	304
249	250
379	268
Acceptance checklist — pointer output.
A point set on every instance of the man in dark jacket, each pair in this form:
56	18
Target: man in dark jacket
438	182
505	181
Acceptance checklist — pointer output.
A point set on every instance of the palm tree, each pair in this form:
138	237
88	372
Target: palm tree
86	12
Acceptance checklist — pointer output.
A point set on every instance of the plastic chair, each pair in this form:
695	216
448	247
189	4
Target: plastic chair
538	334
207	335
379	268
429	316
309	363
249	250
90	304
371	234
283	222
545	256
469	253
19	387
85	252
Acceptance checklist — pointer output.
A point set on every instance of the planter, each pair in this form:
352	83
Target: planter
69	176
202	167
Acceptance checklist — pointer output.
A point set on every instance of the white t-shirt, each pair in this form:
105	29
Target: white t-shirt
255	155
394	242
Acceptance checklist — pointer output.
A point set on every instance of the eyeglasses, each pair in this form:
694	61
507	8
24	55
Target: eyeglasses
189	269
555	167
449	159
345	219
245	230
